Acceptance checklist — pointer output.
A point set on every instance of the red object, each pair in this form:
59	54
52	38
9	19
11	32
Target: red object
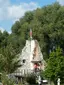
35	66
30	33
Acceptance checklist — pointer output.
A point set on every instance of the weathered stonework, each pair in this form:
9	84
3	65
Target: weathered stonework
31	54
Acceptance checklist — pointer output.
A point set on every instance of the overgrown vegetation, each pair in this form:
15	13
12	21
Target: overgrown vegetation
31	79
55	66
47	24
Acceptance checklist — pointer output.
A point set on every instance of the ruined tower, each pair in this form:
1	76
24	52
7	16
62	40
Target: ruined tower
31	57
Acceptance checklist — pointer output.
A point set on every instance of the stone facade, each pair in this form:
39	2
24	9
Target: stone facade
31	57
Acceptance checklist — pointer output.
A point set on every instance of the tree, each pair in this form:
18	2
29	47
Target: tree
55	65
9	61
47	24
15	28
3	39
28	16
5	35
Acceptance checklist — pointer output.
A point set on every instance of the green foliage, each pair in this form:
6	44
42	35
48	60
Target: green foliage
5	80
31	79
16	27
47	24
3	39
9	61
55	65
28	16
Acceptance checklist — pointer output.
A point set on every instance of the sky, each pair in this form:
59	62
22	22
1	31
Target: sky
12	10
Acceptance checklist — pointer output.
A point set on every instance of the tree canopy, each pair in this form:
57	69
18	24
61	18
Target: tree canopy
55	65
9	61
47	24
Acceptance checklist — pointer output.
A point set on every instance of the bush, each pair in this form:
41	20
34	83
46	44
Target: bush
5	80
31	79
